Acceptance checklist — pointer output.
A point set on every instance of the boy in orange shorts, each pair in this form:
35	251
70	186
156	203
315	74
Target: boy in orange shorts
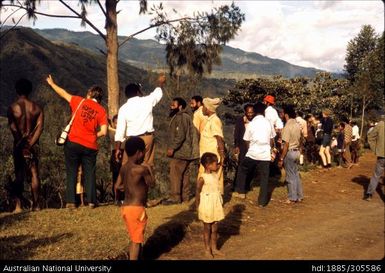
134	179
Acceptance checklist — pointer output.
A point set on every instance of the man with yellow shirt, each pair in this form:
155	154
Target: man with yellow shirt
199	120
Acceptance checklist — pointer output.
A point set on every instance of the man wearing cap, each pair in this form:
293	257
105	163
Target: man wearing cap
135	119
376	141
271	113
211	138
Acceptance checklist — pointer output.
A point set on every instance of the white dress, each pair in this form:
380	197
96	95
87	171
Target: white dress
211	204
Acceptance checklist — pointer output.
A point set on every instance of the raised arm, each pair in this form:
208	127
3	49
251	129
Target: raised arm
60	91
157	94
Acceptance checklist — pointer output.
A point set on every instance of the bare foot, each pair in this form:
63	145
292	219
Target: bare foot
208	254
217	252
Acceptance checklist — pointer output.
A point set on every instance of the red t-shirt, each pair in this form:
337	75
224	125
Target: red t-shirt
89	117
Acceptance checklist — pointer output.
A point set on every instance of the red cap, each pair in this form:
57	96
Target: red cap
269	99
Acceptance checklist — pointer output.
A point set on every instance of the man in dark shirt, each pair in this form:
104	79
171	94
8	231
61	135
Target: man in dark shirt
182	148
25	119
310	144
240	145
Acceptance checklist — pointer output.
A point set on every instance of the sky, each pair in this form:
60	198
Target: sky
306	33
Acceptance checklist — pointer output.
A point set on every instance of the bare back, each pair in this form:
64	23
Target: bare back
25	119
135	180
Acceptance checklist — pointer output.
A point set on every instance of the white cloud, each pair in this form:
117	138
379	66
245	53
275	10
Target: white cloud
307	33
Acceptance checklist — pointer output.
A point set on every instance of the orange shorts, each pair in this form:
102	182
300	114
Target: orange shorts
135	218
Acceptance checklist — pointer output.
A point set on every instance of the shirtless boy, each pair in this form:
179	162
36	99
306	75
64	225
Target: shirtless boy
135	179
25	120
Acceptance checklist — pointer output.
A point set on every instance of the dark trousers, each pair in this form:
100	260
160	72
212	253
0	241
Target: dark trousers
241	157
311	152
355	148
179	180
76	154
245	175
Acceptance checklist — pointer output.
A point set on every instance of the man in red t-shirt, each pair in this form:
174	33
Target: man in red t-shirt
81	147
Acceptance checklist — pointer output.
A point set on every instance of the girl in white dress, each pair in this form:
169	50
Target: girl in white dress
208	200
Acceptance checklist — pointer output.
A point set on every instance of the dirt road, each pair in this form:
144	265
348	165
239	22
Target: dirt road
333	222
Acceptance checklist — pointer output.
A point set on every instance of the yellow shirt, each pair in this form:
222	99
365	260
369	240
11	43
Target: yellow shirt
208	142
199	120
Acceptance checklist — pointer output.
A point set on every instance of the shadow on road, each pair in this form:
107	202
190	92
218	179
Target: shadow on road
168	235
231	225
364	181
22	247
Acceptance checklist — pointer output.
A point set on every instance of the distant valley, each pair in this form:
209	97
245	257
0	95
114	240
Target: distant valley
151	54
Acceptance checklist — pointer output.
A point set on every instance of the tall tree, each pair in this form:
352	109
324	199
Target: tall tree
357	50
192	42
365	69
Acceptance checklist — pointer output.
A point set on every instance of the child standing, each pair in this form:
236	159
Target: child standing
134	179
208	200
340	143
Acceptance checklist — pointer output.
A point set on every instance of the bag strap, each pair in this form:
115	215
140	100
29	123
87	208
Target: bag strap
73	116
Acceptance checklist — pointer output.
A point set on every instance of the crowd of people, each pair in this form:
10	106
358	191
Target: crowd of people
265	137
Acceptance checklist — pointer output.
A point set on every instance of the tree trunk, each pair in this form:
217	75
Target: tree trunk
112	57
363	115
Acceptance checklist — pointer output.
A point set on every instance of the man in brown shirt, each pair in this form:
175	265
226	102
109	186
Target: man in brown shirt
291	137
25	119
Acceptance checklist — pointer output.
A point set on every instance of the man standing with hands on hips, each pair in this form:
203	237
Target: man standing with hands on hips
135	119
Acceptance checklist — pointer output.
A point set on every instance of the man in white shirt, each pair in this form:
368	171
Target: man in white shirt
259	135
135	119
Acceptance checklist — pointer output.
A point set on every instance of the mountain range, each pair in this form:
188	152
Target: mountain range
147	54
25	53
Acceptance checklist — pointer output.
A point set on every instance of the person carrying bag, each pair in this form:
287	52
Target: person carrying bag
81	148
62	138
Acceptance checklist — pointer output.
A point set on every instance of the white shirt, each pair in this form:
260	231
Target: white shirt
135	116
272	116
259	132
355	133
